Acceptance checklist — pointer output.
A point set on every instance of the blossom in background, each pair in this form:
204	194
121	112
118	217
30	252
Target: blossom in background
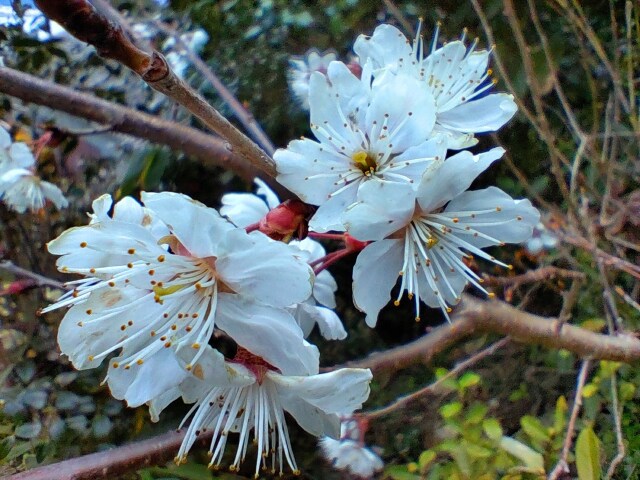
349	452
157	280
247	393
425	246
300	70
177	57
34	24
245	209
455	74
542	239
20	188
380	134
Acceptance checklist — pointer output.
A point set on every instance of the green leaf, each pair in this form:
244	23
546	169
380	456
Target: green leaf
476	413
535	429
469	379
426	458
492	428
450	410
399	472
627	391
588	455
589	390
560	414
526	454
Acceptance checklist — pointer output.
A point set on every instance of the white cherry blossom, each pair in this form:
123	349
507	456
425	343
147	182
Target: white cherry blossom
426	247
365	133
247	394
455	74
245	209
153	286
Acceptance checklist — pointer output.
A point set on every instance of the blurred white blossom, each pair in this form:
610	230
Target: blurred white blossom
20	188
300	70
350	453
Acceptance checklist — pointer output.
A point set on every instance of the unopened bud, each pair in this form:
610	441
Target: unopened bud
287	220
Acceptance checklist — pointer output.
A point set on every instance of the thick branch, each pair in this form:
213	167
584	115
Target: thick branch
110	463
476	316
84	22
206	148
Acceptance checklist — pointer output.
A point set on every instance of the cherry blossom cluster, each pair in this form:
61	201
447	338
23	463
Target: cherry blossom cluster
390	165
162	281
167	280
21	188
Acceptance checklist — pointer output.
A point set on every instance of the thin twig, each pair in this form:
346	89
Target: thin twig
563	466
431	388
626	297
540	274
616	407
242	114
40	280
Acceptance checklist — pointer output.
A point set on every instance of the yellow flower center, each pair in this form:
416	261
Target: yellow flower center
365	162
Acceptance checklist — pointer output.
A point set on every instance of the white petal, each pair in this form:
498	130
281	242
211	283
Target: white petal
269	195
374	275
143	383
159	403
212	370
270	333
53	194
327	320
456	174
83	334
382	208
487	114
406	108
21	156
309	399
329	214
5	139
267	271
324	289
101	207
522	217
384	48
310	169
243	209
198	227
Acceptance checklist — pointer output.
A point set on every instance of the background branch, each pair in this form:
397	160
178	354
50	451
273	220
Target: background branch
209	150
110	463
476	316
84	22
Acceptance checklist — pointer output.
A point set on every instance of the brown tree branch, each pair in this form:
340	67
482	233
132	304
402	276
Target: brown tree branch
84	22
113	462
474	316
208	149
